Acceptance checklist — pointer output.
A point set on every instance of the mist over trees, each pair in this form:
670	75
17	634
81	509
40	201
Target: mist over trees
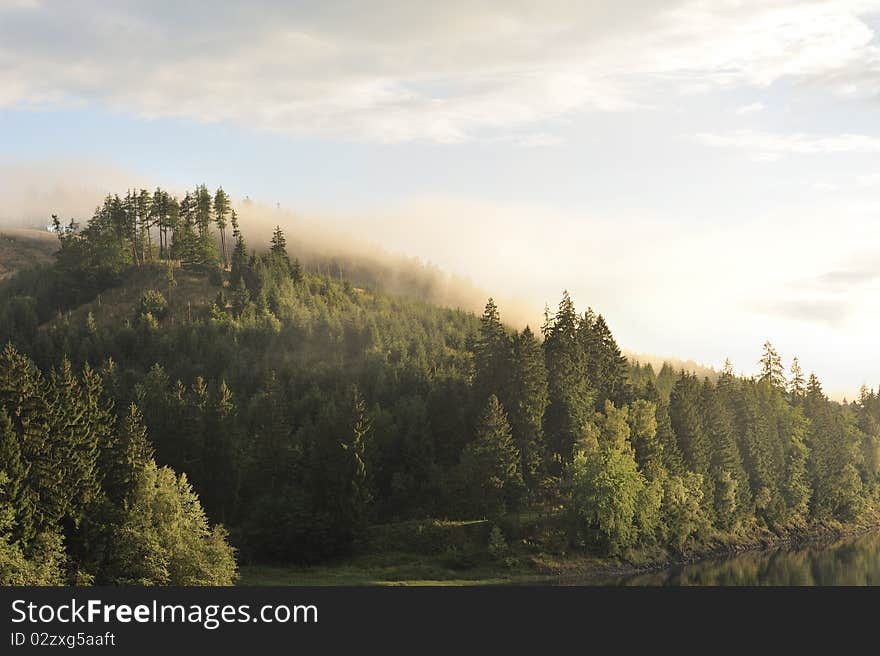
298	410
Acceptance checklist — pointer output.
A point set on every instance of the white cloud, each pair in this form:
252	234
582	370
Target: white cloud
752	108
397	71
766	145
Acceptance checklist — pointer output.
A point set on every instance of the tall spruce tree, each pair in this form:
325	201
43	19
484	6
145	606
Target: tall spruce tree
771	367
732	495
570	395
491	464
492	355
797	385
525	394
221	213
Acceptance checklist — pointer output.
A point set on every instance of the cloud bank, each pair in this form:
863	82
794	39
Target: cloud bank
399	71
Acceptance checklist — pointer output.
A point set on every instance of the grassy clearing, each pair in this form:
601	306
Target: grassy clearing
22	249
376	569
191	293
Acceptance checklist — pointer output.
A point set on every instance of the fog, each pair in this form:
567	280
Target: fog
321	245
31	193
698	292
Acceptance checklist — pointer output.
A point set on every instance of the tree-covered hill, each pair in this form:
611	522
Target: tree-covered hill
305	409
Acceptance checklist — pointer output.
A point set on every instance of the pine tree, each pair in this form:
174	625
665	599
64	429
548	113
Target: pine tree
126	457
278	246
206	248
356	494
643	436
239	254
221	211
571	398
685	414
185	245
492	355
732	496
761	447
796	384
609	368
771	367
526	397
491	464
145	227
833	446
671	457
15	493
666	380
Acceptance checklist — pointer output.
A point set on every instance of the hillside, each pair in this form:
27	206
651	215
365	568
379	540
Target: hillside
319	419
25	248
21	248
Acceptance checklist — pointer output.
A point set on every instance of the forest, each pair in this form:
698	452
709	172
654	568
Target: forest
175	403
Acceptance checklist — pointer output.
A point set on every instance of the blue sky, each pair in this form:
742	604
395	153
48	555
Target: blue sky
706	174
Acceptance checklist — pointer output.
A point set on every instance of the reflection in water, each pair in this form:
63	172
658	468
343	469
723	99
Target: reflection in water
849	561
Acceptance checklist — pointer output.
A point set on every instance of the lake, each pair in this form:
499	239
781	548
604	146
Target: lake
846	561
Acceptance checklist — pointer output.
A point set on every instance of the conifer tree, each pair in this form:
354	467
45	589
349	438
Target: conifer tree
15	494
685	414
239	253
126	456
671	456
643	435
221	211
278	245
732	497
797	385
570	395
356	494
526	396
771	367
492	355
491	463
185	245
610	369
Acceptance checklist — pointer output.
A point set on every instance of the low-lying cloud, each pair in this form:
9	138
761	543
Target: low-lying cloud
828	311
668	286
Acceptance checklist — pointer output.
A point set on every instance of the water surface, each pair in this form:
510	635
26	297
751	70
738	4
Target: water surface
847	561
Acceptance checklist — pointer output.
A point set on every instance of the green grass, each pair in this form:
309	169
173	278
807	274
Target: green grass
191	294
379	569
22	249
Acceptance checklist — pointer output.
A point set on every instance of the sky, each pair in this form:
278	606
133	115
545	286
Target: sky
704	174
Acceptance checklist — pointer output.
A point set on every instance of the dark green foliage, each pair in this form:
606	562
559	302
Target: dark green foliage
511	366
490	465
526	399
732	497
305	410
81	498
686	417
492	355
570	394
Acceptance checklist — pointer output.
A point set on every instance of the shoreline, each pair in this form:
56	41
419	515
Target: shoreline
408	568
585	567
